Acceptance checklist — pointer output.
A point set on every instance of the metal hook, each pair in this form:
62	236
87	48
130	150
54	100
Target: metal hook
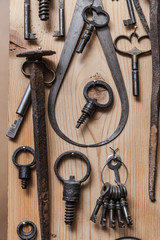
135	29
114	151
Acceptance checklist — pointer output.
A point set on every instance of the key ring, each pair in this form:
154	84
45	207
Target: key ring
72	154
98	10
26	235
100	84
28	75
116	158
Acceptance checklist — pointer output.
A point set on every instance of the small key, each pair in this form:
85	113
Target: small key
61	31
112	220
132	19
104	192
124	206
119	215
21	110
104	213
27	25
99	203
115	167
91	25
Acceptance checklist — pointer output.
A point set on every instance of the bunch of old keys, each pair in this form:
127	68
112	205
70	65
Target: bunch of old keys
113	197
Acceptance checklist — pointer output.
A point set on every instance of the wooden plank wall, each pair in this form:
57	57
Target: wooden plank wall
133	143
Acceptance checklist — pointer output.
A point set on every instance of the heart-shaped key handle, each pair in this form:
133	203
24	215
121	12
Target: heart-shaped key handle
134	53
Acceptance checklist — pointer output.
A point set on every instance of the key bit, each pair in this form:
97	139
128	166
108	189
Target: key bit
112	220
119	215
104	213
92	104
124	206
61	31
27	25
21	110
132	19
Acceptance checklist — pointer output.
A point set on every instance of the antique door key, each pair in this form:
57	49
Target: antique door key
134	53
132	20
91	25
61	31
27	25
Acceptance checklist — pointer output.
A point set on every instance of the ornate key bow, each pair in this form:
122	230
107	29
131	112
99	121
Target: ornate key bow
134	53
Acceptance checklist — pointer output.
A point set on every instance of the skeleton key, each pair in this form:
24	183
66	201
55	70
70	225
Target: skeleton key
91	25
112	220
119	215
27	28
134	53
61	31
115	167
104	212
104	191
132	19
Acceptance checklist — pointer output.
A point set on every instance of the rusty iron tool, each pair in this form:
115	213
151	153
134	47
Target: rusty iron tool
25	102
61	31
141	16
154	122
134	53
70	44
36	66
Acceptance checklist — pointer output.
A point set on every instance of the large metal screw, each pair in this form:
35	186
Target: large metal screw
92	104
71	188
44	9
24	170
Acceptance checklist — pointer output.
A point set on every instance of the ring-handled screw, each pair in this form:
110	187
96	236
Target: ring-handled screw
72	187
92	104
44	9
24	170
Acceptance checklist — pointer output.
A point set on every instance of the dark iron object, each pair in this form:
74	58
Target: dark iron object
112	218
38	108
91	25
21	111
44	9
72	187
92	104
134	53
105	39
154	122
61	31
132	20
26	235
27	25
24	170
141	16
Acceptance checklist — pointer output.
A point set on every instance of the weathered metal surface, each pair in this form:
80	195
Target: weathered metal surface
105	39
154	124
40	141
61	31
132	20
141	16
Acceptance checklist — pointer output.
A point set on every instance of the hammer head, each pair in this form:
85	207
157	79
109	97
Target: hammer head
36	54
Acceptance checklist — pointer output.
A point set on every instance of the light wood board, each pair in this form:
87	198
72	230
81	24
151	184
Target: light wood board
133	142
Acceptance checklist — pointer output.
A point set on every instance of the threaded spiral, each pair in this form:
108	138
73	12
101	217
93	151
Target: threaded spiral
44	9
24	183
69	212
81	119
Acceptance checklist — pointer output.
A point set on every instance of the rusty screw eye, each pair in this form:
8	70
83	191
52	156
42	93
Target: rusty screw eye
72	187
92	104
24	170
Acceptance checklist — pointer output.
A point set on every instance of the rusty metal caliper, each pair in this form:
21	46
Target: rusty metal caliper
106	42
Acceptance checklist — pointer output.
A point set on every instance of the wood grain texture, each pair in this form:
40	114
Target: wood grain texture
133	141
